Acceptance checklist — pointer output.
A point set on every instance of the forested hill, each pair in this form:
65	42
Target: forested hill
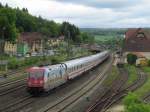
105	31
14	21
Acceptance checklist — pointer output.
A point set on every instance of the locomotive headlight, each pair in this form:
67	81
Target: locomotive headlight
41	82
35	81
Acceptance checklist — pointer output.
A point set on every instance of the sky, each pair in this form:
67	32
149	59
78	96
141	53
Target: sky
90	13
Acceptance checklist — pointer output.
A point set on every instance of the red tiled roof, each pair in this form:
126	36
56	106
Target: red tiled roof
30	36
132	32
135	42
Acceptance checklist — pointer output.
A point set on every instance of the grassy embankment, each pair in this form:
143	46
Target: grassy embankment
111	77
146	87
133	76
132	101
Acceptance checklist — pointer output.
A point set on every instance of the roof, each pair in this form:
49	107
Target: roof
30	36
139	54
137	40
132	32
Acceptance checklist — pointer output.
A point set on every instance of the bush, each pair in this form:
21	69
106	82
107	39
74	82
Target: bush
13	64
131	59
148	63
133	104
57	59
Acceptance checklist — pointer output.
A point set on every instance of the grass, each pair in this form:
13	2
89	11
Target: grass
101	38
132	74
112	76
146	87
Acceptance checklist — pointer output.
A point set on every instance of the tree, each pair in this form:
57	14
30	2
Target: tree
1	6
25	10
87	38
73	31
8	29
131	58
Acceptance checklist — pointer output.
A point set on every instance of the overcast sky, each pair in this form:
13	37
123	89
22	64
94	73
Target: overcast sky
90	13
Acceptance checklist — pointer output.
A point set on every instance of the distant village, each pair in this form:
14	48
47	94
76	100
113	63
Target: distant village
32	44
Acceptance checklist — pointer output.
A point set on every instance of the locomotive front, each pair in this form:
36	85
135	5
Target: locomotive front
35	79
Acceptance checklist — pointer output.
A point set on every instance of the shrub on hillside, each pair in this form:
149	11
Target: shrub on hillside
133	104
131	58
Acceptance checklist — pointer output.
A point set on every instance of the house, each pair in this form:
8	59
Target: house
137	41
34	40
52	42
22	49
10	48
31	42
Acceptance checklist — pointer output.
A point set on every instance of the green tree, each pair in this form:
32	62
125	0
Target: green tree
8	29
70	31
131	58
87	38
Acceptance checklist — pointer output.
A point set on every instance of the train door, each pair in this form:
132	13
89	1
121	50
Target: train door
62	74
50	81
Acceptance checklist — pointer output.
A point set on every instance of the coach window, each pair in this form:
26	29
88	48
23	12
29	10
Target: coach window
60	72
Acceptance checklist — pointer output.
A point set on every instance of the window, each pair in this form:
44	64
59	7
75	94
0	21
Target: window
140	35
48	75
60	72
36	74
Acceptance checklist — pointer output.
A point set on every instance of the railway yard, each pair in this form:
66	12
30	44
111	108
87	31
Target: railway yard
87	93
74	56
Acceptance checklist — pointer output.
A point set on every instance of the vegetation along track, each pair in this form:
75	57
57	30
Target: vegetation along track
67	101
110	97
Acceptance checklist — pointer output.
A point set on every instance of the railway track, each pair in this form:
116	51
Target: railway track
64	102
11	83
67	101
105	100
142	77
147	98
109	98
14	107
10	73
10	90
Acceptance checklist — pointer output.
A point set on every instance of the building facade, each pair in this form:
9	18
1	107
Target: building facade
137	41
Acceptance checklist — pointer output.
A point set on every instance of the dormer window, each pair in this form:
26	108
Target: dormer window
140	35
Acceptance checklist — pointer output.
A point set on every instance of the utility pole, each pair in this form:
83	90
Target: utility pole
68	45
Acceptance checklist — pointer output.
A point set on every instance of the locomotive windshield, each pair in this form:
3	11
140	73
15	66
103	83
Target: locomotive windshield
36	74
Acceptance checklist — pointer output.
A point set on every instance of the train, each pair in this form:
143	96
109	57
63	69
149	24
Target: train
46	78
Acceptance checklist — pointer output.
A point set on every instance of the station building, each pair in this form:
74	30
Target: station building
137	41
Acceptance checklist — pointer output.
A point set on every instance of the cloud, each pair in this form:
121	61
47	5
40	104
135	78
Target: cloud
103	3
90	13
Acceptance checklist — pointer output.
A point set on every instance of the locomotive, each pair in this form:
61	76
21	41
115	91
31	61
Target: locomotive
45	78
